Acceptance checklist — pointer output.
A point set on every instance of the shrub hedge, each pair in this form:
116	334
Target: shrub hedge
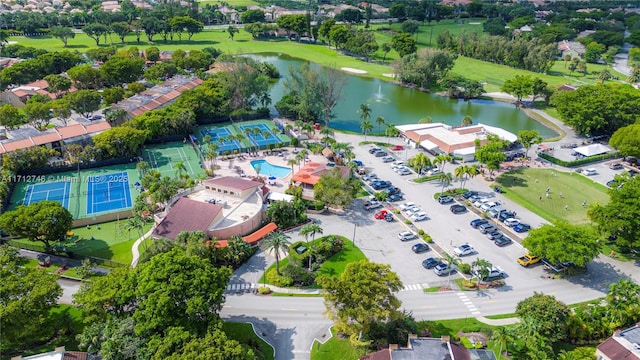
583	161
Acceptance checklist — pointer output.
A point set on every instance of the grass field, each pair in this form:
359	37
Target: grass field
243	333
528	188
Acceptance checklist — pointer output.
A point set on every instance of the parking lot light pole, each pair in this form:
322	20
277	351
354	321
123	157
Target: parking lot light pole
354	234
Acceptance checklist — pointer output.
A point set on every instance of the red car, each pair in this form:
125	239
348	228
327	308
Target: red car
381	214
397	148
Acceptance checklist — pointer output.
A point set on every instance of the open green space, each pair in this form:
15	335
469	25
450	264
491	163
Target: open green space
333	266
110	240
243	333
567	193
163	158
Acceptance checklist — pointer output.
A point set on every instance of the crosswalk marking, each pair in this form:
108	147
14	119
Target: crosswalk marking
414	287
468	303
240	286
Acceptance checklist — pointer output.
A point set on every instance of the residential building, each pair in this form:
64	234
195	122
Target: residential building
623	344
54	139
58	354
18	96
431	349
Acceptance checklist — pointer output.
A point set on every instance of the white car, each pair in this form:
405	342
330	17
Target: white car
511	222
406	206
369	177
388	159
404	171
478	203
397	163
590	172
464	250
407	235
489	205
433	172
413	210
419	216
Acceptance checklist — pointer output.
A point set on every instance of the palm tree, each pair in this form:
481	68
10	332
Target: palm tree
366	127
288	128
445	179
303	154
482	266
328	133
466	120
142	167
450	261
308	129
391	131
256	131
380	122
425	120
470	172
634	76
604	75
299	124
277	241
419	162
248	132
134	223
206	139
310	230
180	169
292	162
460	173
502	334
442	159
365	112
240	138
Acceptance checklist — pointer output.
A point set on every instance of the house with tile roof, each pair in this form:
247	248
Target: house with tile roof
429	348
58	354
53	139
18	96
623	344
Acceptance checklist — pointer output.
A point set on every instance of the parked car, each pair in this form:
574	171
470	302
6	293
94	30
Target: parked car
357	162
372	204
420	248
494	234
388	159
485	228
590	172
430	263
397	163
445	199
404	171
374	150
475	223
457	209
433	172
397	148
395	197
464	250
331	164
489	205
469	194
478	203
419	216
381	214
511	222
389	218
379	185
503	241
369	177
392	190
407	235
443	270
520	228
380	154
496	210
494	273
408	205
615	166
528	259
506	215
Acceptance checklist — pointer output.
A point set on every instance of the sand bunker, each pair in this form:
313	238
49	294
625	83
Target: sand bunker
353	71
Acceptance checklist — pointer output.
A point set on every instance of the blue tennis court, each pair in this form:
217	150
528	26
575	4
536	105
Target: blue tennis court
259	139
55	191
217	134
108	192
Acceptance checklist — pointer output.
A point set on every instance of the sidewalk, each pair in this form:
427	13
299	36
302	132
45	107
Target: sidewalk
59	260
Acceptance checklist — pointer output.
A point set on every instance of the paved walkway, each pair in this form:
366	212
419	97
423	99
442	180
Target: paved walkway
58	260
134	248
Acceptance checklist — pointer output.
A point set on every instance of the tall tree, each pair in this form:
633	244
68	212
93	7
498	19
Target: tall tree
563	242
10	117
491	153
380	122
445	180
549	315
361	296
365	112
95	31
403	44
528	138
366	127
621	215
310	230
334	189
62	33
518	86
27	295
84	101
277	242
45	221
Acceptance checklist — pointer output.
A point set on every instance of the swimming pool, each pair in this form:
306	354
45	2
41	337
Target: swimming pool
270	170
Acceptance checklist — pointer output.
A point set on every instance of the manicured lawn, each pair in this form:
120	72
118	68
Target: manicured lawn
110	241
333	266
243	333
334	349
527	187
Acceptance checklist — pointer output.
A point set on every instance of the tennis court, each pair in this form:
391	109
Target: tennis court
219	136
168	158
259	139
108	192
59	191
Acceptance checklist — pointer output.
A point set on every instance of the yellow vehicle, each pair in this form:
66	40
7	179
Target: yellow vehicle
528	259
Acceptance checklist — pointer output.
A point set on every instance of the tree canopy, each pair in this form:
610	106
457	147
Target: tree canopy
626	140
26	297
491	153
563	242
547	315
621	215
598	109
45	221
361	296
334	189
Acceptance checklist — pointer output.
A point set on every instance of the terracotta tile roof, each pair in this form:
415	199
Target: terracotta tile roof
384	354
20	144
311	172
614	350
187	215
71	131
253	237
2	149
75	355
22	93
100	126
46	138
233	183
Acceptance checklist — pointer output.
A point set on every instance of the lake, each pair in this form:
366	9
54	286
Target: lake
400	105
